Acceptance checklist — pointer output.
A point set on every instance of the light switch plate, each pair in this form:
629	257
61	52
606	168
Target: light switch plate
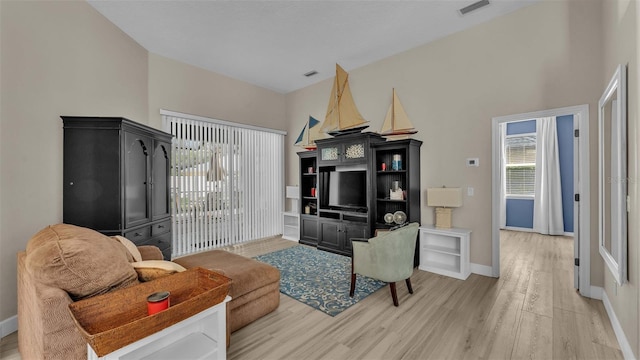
473	162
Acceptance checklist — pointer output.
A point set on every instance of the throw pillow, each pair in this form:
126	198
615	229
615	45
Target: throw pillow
154	269
81	261
133	249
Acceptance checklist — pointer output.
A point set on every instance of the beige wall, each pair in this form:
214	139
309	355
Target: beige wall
184	88
620	46
2	269
541	57
59	58
64	58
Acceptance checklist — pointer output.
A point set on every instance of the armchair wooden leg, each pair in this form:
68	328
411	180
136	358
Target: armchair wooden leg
408	281
394	294
353	280
353	285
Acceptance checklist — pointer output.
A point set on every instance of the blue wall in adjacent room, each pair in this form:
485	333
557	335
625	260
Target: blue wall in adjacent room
521	127
565	153
520	211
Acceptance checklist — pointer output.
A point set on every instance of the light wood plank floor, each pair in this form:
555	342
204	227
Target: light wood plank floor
531	311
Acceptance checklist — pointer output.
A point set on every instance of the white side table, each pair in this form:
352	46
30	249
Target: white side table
202	336
445	251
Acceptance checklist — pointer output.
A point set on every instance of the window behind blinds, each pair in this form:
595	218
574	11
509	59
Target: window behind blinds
521	164
226	182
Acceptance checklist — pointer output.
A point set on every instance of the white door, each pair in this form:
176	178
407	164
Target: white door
576	203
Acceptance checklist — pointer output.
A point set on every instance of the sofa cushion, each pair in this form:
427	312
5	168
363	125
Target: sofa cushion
80	261
247	274
154	269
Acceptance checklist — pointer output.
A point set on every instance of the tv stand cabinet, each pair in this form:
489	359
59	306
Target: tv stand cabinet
337	228
331	229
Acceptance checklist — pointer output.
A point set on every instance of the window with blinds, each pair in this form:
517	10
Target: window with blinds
520	151
226	182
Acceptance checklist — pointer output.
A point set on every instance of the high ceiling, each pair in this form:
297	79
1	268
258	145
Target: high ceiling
272	44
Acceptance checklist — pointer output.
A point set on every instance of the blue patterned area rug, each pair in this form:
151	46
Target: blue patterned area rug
319	278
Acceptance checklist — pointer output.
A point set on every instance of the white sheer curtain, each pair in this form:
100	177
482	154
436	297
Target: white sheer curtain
547	207
503	176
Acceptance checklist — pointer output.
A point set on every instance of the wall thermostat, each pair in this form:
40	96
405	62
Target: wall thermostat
473	162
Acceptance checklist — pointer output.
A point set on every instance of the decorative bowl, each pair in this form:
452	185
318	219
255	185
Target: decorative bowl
399	217
388	218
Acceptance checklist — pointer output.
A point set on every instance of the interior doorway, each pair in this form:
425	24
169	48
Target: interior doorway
580	182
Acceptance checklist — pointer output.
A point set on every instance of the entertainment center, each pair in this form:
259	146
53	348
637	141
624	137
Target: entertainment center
346	192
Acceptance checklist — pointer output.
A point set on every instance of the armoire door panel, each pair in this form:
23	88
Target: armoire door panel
136	177
91	178
160	180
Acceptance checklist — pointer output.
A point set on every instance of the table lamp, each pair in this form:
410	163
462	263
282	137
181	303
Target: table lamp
444	199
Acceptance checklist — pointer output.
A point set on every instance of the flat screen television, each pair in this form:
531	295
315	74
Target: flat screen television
345	190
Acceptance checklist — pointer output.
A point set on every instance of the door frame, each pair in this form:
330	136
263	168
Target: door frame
581	179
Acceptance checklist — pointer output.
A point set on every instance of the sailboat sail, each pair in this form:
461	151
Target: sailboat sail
309	134
342	113
397	122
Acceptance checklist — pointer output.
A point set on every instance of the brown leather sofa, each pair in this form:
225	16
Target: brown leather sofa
65	263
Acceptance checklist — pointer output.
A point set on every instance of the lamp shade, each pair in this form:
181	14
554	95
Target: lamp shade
444	197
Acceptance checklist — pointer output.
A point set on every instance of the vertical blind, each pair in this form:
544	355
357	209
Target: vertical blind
520	151
226	182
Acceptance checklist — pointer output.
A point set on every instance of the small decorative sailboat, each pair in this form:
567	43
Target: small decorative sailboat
309	134
396	124
342	115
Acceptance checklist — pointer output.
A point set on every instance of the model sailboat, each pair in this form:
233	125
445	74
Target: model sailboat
396	124
309	134
342	115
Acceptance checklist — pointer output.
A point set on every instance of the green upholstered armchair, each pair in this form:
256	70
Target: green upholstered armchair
387	257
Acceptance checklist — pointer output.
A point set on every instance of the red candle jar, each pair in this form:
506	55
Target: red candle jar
313	192
157	302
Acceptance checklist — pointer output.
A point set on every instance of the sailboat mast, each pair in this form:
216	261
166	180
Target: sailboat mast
393	109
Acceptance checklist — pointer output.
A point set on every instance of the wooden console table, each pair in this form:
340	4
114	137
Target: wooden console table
116	325
202	336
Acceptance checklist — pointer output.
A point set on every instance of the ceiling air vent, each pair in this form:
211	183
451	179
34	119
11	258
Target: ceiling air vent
475	6
310	73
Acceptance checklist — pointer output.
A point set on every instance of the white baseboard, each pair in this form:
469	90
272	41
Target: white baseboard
515	228
595	292
617	328
8	326
483	270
